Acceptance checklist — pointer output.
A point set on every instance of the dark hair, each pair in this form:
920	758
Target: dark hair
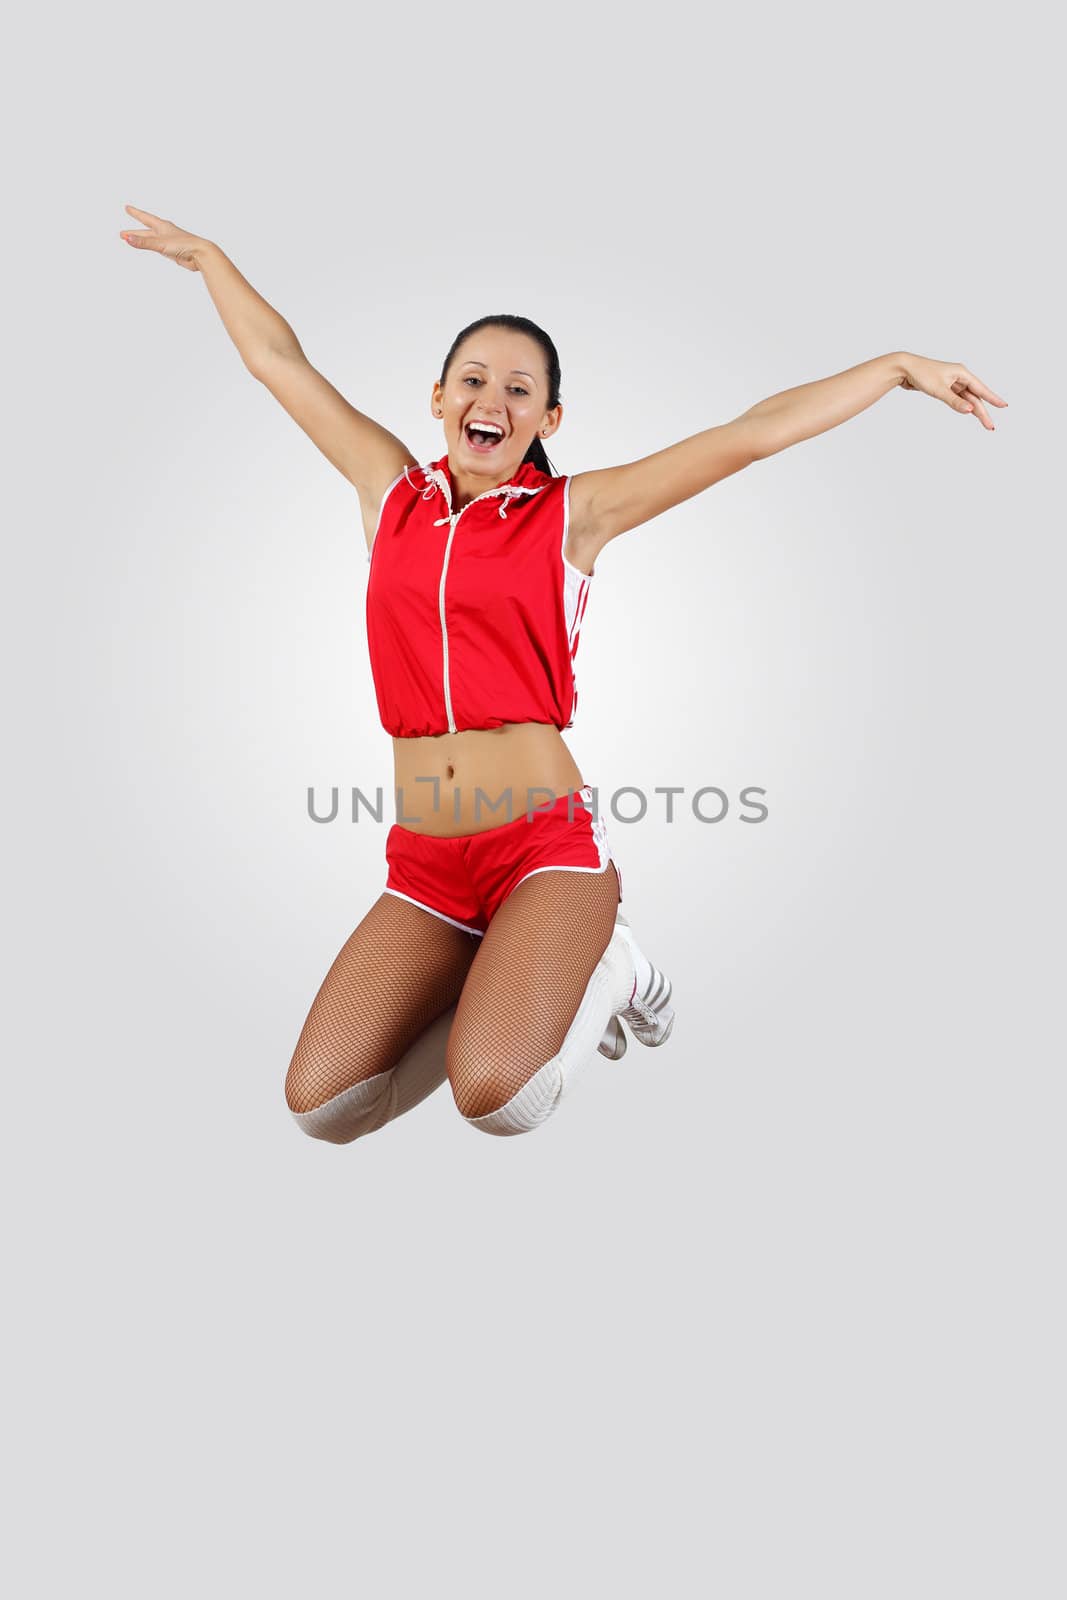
536	452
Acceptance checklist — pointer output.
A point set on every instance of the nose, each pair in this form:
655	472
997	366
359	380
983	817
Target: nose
491	393
491	413
490	402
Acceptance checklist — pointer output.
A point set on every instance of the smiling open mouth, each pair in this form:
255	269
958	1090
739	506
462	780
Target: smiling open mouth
482	439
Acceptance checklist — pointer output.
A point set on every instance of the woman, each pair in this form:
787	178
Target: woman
496	954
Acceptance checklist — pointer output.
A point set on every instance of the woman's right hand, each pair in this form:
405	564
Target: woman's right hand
166	239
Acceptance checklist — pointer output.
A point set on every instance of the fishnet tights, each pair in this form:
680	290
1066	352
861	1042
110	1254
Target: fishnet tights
527	982
516	990
395	973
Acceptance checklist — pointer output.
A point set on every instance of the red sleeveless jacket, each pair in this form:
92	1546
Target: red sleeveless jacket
473	615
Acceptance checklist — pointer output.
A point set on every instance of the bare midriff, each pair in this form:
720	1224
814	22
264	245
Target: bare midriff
451	784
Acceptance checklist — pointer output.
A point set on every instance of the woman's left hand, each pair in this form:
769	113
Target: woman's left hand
951	382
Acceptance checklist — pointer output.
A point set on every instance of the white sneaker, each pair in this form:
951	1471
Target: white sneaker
650	1015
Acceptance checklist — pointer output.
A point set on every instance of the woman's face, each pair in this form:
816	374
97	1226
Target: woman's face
497	376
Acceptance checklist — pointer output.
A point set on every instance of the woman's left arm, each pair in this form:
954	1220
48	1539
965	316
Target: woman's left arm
610	501
801	413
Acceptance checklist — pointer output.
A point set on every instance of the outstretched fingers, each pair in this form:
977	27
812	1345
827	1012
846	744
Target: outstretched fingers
164	238
134	236
972	391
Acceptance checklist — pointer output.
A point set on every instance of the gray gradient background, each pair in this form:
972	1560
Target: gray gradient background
772	1311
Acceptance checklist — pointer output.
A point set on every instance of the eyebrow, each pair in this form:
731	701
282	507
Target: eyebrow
514	369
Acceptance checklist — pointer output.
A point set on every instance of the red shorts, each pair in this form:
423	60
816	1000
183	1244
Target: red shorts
467	879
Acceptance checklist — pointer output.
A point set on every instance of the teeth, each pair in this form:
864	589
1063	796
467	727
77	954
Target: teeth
487	427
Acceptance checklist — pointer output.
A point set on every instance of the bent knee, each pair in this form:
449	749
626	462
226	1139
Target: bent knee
480	1094
494	1106
485	1074
359	1109
306	1089
314	1080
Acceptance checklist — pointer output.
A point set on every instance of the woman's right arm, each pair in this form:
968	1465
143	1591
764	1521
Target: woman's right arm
368	455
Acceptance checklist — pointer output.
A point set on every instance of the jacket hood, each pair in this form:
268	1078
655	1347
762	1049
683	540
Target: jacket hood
525	476
437	478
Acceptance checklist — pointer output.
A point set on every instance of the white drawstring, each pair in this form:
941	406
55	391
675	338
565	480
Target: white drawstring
435	480
513	493
431	482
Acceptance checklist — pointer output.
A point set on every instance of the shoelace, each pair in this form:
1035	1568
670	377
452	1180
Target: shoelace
644	1012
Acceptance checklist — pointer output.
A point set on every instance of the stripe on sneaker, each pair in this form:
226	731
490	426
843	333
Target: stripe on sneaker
652	995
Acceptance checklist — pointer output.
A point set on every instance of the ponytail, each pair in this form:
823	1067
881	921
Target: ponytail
536	456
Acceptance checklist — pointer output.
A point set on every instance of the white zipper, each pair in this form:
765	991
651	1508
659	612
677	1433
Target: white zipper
441	606
452	519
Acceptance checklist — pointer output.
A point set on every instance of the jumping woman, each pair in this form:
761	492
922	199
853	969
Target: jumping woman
496	954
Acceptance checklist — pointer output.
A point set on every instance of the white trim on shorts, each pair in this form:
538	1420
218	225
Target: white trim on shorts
533	874
600	839
479	931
